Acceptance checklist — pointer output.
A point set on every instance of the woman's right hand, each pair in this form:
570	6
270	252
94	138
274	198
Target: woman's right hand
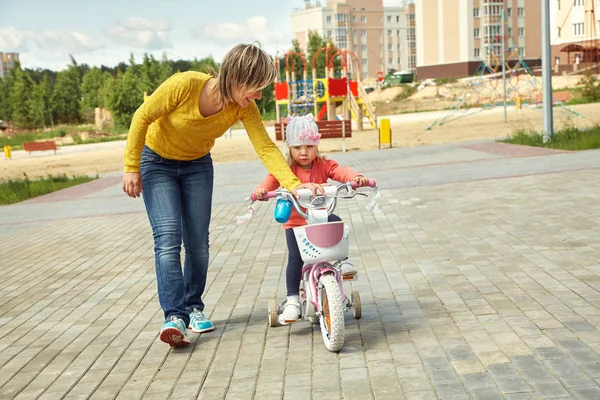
132	184
260	193
315	187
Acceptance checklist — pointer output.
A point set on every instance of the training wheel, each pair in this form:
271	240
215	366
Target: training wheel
356	305
272	313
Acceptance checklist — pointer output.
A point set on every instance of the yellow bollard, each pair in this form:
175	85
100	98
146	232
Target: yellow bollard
385	132
518	104
7	155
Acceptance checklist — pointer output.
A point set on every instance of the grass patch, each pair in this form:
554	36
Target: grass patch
568	138
15	141
15	191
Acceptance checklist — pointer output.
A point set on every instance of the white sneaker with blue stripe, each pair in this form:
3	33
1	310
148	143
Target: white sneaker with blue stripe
174	332
199	323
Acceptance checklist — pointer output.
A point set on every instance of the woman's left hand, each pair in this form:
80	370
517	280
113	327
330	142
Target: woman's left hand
312	186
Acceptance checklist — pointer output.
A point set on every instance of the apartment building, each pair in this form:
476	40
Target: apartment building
381	37
7	62
575	30
454	36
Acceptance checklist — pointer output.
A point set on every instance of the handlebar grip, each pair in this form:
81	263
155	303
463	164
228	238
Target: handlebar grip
371	183
267	196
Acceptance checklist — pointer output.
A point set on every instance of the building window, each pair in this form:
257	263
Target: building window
363	33
476	12
364	61
389	61
389	32
398	32
397	18
521	51
354	18
389	47
355	48
364	47
578	29
521	12
509	12
477	53
521	32
329	33
363	19
329	18
476	32
399	61
389	18
578	3
398	46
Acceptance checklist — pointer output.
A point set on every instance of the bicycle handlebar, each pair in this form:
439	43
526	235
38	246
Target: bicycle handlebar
269	195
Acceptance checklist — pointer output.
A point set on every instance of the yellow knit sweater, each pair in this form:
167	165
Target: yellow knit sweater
170	123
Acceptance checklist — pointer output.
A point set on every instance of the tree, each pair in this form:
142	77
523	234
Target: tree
295	62
106	90
315	43
66	98
20	98
90	89
267	102
127	95
204	65
164	71
5	104
39	107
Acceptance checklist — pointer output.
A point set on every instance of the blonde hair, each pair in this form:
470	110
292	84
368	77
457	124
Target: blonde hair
246	67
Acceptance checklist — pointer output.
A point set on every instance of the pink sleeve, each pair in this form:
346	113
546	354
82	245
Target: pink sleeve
270	183
339	173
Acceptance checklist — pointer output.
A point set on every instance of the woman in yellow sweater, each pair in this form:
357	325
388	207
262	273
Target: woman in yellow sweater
168	155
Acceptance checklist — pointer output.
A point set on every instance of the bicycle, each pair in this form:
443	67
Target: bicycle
324	248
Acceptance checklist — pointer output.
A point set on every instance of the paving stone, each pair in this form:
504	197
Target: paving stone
473	285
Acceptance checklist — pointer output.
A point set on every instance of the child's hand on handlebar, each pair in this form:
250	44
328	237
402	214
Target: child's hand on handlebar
360	180
312	186
259	193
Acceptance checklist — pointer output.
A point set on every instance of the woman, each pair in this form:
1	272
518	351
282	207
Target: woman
168	155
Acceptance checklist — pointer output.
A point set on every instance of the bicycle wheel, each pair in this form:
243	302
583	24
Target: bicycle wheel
332	316
273	313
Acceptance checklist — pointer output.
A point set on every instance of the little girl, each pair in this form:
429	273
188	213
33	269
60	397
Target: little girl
302	138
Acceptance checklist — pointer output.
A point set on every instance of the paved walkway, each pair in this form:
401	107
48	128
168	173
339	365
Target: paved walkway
479	277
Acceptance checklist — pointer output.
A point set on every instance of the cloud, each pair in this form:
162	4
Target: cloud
12	39
149	34
225	33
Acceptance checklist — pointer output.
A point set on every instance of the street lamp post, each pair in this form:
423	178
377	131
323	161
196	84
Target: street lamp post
548	129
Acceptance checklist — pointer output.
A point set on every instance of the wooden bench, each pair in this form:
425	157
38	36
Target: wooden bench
39	146
327	129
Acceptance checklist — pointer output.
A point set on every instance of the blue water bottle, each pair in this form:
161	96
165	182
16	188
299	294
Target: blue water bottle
283	210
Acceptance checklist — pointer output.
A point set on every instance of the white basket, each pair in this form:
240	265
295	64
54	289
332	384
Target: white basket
322	242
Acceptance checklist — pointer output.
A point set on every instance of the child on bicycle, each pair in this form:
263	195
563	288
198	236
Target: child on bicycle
302	139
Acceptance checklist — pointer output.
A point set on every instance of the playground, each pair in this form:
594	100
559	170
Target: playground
408	130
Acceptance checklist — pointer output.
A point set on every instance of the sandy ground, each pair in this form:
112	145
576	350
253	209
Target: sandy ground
407	130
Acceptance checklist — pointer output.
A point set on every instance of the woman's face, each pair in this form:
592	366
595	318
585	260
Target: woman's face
244	98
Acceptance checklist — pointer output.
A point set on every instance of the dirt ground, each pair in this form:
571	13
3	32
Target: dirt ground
407	130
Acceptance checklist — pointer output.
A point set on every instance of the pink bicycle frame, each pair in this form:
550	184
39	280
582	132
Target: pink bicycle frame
315	271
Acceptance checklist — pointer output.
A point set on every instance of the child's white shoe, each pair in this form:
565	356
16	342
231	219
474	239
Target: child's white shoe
348	269
291	311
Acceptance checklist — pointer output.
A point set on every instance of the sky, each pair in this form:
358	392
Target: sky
106	32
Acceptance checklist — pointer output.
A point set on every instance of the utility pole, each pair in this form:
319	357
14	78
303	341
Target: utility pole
504	61
548	129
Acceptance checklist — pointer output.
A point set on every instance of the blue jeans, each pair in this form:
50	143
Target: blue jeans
178	199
